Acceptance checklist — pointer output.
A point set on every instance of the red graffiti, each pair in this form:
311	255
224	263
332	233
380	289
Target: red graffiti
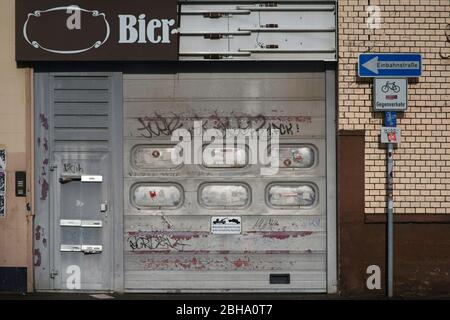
44	189
184	235
241	263
37	234
37	258
286	234
44	121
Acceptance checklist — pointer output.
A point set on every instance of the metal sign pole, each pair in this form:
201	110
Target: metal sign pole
390	135
390	217
390	73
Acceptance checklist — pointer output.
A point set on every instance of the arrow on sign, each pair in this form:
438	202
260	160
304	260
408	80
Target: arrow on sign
374	65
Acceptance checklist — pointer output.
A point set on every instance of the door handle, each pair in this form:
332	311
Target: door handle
67	179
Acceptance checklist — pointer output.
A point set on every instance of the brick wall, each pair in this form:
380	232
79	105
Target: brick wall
422	162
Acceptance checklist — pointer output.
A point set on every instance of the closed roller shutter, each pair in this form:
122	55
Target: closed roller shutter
169	208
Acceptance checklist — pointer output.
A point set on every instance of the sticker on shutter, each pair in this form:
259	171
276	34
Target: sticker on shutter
226	225
224	196
157	196
154	157
286	196
302	157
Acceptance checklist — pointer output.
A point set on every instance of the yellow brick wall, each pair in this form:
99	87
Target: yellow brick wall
422	162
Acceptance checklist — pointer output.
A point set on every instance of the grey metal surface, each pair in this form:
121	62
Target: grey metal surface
73	131
42	246
331	169
172	248
258	30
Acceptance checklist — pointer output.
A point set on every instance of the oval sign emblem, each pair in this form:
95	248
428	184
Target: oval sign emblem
93	30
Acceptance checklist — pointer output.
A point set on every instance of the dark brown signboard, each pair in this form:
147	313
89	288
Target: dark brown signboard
96	30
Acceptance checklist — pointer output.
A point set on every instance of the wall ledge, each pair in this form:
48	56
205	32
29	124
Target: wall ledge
409	218
356	133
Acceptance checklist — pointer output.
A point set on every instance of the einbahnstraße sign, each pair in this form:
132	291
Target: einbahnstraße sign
382	65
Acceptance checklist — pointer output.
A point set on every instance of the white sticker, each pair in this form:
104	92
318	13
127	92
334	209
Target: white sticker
226	225
91	178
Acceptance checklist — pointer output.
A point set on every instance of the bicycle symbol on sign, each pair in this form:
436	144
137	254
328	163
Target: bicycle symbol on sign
390	86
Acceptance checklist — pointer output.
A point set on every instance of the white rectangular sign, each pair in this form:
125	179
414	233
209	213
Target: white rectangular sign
390	135
91	178
226	225
390	94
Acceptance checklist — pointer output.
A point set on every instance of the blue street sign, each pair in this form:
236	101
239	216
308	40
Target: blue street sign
407	65
390	119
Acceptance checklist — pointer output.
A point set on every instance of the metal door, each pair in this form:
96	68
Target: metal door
169	243
82	239
74	172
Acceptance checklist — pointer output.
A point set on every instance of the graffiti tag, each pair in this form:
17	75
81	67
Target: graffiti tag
155	241
72	167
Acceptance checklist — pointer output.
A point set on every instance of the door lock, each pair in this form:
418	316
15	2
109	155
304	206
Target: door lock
53	273
104	207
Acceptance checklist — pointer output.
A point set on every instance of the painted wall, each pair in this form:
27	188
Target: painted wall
421	255
15	102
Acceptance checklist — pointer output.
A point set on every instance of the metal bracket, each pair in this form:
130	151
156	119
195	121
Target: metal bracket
288	8
213	36
215	14
216	55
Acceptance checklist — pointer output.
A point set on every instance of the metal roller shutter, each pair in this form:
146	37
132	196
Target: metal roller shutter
168	243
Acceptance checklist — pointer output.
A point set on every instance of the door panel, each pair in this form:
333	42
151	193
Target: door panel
82	236
74	164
